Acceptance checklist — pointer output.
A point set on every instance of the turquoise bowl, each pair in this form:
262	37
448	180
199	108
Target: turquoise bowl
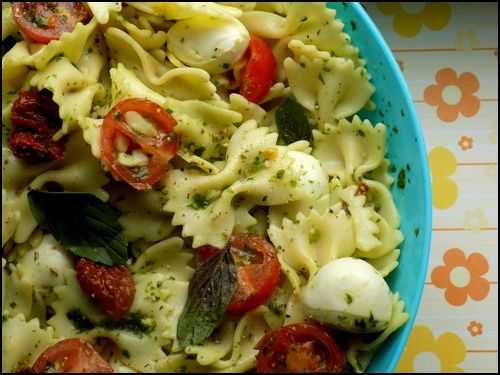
407	152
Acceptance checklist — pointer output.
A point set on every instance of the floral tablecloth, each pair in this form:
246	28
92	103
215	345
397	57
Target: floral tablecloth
448	53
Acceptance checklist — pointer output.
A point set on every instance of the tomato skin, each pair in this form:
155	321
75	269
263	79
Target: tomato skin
35	119
256	281
299	347
257	276
72	356
258	75
111	286
160	149
43	22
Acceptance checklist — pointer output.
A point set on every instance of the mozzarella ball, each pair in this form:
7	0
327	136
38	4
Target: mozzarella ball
210	43
349	294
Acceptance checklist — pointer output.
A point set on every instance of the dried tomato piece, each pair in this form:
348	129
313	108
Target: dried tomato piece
33	148
35	119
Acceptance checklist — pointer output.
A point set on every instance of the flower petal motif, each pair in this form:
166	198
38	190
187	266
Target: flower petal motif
477	287
477	264
475	328
444	190
448	347
468	104
435	16
465	143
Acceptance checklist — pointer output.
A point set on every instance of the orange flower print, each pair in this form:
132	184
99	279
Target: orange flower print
475	328
453	94
410	17
461	277
465	143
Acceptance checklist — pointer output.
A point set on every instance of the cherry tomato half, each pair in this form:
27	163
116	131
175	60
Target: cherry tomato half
299	348
73	356
45	21
258	75
258	267
160	149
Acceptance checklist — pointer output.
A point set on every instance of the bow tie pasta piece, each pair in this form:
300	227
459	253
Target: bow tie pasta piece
102	10
210	43
350	150
45	266
308	242
183	10
257	169
359	353
167	257
164	78
77	171
9	26
148	38
330	87
71	45
23	341
310	23
380	196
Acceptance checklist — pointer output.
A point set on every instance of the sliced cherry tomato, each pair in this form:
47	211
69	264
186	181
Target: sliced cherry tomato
205	252
299	348
259	270
258	75
45	21
73	356
160	149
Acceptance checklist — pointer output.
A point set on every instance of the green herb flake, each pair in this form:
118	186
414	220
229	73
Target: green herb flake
199	202
417	232
360	133
401	182
348	298
80	321
314	235
292	122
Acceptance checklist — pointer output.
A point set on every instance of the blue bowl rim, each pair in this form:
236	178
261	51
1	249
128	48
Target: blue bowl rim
422	156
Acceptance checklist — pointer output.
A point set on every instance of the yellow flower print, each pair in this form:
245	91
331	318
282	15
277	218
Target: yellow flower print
493	136
474	220
444	190
408	21
446	352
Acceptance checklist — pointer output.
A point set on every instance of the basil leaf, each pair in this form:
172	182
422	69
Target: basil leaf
82	223
292	122
210	291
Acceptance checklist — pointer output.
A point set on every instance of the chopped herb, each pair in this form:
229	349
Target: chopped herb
117	115
199	202
303	19
401	179
80	321
13	305
353	25
348	298
320	77
292	122
126	353
134	322
417	232
314	235
225	66
392	168
360	133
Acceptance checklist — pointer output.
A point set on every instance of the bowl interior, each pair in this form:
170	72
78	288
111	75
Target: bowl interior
406	151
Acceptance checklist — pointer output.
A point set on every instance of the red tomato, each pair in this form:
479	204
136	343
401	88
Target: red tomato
259	270
73	356
160	149
258	75
45	21
205	252
299	348
111	286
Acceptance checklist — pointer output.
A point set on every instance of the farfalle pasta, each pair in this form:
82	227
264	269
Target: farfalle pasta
178	178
